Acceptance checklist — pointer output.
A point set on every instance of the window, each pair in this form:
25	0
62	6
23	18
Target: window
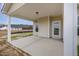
36	27
56	28
78	26
78	20
56	31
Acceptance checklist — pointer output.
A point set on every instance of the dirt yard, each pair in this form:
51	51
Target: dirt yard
6	49
3	32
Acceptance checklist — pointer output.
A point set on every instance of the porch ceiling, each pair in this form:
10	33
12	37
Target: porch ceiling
27	11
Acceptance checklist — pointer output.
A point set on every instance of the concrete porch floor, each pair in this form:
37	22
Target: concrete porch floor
38	46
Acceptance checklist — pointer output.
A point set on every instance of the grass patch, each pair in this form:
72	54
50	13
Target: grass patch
20	35
16	35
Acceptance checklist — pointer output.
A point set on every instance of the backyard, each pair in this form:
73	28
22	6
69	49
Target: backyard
2	33
20	35
6	49
15	35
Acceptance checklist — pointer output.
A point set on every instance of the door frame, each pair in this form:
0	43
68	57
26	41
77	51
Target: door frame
56	36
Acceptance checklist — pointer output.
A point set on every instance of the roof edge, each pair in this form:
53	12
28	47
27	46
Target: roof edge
6	8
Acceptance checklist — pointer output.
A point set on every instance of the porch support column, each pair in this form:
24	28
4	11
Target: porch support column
70	29
9	29
49	31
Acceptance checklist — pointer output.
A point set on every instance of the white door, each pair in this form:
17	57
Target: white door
56	29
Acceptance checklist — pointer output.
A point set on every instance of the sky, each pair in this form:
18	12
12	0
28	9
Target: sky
4	19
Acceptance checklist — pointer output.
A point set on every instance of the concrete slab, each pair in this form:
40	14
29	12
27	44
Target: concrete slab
40	46
23	41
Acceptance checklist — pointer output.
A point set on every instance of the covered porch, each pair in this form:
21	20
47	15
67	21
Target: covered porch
43	16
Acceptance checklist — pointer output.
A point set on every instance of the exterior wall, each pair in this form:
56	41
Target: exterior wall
45	26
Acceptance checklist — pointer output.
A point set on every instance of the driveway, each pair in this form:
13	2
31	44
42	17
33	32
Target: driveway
38	46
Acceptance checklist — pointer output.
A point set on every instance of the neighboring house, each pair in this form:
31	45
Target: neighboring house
54	20
18	27
21	27
3	28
